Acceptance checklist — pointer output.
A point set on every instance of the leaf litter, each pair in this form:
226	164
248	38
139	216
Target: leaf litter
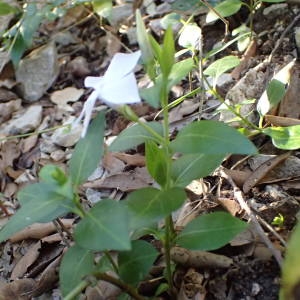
88	52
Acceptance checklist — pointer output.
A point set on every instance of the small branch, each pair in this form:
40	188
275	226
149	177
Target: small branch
239	197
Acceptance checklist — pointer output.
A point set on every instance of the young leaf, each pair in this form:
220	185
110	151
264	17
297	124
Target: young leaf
103	8
135	264
134	136
193	166
152	94
150	205
274	94
6	9
225	9
290	271
168	53
156	162
286	138
179	71
88	151
211	137
40	203
76	263
220	66
104	227
210	232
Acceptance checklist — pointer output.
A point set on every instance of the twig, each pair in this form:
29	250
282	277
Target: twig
239	197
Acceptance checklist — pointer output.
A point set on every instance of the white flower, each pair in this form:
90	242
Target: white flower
118	86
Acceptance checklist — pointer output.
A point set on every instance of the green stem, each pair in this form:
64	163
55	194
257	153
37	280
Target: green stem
159	138
112	262
78	289
32	133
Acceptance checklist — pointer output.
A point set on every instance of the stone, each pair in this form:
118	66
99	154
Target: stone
25	122
37	72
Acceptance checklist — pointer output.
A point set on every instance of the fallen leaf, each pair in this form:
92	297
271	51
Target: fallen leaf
281	121
17	290
131	159
259	173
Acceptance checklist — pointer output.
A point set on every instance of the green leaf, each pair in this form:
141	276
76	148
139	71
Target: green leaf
103	8
104	227
134	136
53	174
225	9
273	1
156	162
152	94
290	279
185	5
75	265
150	205
167	58
287	138
40	203
179	71
220	66
210	232
134	265
275	92
18	48
211	137
171	19
88	151
193	166
6	9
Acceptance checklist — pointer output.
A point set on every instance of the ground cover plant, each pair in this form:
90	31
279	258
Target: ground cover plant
114	241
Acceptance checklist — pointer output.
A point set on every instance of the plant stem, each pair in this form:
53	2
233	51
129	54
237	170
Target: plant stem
112	262
78	289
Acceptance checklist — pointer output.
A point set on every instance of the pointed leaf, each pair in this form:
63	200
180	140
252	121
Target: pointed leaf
287	138
210	232
104	227
40	203
134	136
179	71
193	166
134	265
149	205
225	9
76	263
88	151
156	162
211	137
168	53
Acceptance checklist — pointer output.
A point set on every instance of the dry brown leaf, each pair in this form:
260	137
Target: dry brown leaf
281	121
7	109
290	104
239	177
259	173
131	159
112	164
17	290
38	230
199	259
9	152
185	108
230	205
26	261
126	182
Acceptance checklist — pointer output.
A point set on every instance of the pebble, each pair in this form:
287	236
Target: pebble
37	72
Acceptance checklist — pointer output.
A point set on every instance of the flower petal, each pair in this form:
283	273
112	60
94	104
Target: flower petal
93	82
121	64
86	112
120	91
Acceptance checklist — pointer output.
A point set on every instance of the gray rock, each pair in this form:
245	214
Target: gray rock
26	122
37	72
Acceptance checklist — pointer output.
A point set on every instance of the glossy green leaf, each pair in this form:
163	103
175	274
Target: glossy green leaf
287	138
193	166
210	232
88	151
149	205
226	8
104	227
134	136
275	92
290	279
220	66
156	162
179	71
134	265
40	203
76	263
211	137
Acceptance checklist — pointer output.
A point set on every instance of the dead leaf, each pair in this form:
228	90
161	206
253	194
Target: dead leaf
26	261
7	109
131	159
259	173
199	259
230	205
125	182
112	164
281	121
17	290
38	230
